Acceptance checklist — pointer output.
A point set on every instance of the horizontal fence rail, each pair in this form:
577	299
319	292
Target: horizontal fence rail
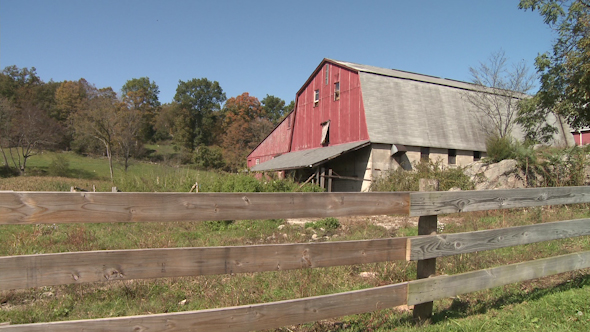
242	318
281	313
425	247
79	267
440	287
440	202
68	207
108	265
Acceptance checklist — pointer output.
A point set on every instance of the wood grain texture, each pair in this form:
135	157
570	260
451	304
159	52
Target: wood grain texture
461	243
425	268
67	207
242	318
430	289
95	266
430	203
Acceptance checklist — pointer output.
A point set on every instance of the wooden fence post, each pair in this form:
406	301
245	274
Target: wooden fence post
427	225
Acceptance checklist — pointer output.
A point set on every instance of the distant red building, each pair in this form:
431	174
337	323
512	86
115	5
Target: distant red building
582	136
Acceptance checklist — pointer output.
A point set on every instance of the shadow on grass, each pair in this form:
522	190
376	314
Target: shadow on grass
465	308
69	173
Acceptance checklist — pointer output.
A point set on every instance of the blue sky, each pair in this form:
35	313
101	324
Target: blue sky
259	46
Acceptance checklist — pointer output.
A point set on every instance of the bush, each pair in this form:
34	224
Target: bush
561	167
227	182
7	171
209	157
402	180
499	148
59	166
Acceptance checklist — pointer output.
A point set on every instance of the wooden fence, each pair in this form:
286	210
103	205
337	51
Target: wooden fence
107	265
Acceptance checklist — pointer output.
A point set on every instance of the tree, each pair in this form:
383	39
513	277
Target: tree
565	72
500	89
28	131
198	101
127	131
7	112
70	97
99	120
274	108
244	125
141	94
165	121
25	122
290	107
13	80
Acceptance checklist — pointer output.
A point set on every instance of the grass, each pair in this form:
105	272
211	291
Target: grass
86	172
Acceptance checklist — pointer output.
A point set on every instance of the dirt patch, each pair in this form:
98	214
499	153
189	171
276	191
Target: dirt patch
385	221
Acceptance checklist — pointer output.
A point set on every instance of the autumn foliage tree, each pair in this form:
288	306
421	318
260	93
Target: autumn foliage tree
244	125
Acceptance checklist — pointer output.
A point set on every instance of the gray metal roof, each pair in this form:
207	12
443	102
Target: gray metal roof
421	110
308	158
408	112
407	75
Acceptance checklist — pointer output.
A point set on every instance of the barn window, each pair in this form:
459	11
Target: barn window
424	154
257	161
452	156
337	91
325	133
327	73
476	155
316	97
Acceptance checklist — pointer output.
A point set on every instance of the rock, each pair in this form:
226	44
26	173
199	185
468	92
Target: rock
504	167
503	175
368	274
314	237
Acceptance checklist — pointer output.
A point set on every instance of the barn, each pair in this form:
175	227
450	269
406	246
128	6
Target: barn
353	122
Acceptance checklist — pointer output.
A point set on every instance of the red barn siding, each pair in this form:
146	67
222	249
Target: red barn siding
581	138
276	143
347	115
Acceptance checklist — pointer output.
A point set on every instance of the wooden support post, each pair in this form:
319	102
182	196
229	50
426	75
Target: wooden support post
323	178
427	225
329	180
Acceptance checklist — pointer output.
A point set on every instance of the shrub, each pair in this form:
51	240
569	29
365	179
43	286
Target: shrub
402	180
209	157
59	166
7	171
499	148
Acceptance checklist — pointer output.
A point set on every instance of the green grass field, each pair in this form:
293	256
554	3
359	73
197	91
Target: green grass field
558	303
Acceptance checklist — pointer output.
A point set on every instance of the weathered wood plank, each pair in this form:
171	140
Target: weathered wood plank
92	266
430	203
242	318
67	207
425	290
425	268
461	243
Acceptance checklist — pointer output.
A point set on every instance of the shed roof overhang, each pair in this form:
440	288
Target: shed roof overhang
308	158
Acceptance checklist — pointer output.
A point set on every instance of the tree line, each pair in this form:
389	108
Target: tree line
207	128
